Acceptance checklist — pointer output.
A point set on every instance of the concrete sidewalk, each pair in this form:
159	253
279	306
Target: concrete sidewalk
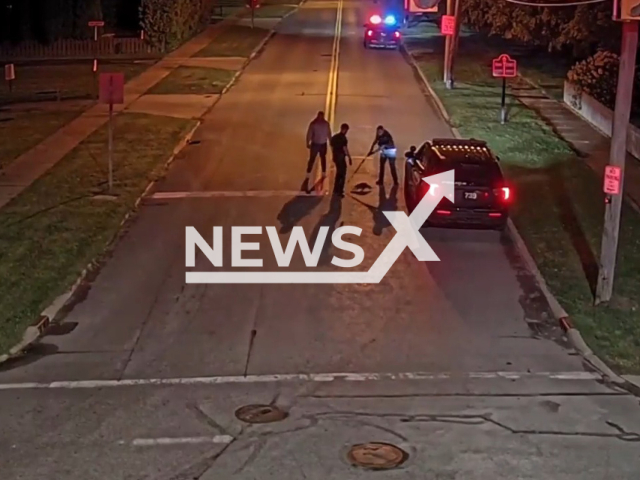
579	133
30	166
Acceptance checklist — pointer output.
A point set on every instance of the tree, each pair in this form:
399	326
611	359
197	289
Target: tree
581	29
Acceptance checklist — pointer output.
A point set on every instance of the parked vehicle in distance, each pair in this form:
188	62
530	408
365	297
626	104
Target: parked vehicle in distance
382	31
482	197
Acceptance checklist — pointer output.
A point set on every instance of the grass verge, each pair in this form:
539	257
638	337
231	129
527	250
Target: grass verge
194	80
73	80
23	129
235	41
50	232
559	204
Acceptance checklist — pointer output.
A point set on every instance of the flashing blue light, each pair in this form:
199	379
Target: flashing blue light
390	20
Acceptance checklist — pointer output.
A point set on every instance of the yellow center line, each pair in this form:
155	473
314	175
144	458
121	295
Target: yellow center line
332	87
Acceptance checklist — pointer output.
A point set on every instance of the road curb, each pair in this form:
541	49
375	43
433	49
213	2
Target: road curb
561	316
53	313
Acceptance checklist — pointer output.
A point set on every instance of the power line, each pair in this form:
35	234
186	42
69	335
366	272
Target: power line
568	4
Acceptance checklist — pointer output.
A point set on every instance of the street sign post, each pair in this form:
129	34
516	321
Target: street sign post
504	67
10	75
612	180
95	25
448	25
253	4
111	93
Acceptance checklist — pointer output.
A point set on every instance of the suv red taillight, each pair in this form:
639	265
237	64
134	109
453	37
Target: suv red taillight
396	34
504	194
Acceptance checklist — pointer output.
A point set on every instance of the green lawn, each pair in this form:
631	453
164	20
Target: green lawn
50	232
194	80
559	204
23	129
234	41
73	80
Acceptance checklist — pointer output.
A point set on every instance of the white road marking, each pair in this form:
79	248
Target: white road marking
301	377
250	193
154	442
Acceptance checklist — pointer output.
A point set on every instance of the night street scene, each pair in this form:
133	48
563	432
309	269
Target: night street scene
319	239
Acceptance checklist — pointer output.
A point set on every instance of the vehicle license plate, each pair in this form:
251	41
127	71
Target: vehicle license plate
471	195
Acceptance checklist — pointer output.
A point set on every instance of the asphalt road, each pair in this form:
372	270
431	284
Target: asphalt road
466	321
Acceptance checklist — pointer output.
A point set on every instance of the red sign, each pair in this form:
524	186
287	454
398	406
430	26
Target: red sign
612	180
9	72
112	88
96	24
448	25
504	67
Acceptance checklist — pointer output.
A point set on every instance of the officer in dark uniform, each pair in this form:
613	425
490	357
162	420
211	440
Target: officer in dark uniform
387	148
340	153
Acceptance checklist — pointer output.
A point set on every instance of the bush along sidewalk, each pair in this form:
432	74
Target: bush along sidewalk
559	204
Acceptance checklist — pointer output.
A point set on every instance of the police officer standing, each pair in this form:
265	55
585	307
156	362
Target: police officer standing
340	153
387	149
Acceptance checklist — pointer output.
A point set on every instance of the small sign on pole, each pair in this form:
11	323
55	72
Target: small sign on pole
448	25
504	67
95	25
612	180
10	75
111	93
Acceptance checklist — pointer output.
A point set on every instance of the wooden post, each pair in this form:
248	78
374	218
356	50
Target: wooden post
447	48
617	157
453	48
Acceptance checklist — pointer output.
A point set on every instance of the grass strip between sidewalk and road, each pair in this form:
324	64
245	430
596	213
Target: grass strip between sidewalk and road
194	80
234	41
55	228
559	204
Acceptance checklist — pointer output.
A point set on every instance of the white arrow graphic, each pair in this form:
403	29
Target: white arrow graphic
407	236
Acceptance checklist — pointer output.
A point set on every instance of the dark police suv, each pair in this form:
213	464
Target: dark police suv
382	31
482	197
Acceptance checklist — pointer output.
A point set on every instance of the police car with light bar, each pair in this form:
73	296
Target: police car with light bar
482	196
382	31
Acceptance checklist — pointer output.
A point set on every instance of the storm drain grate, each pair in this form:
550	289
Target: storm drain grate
377	456
260	414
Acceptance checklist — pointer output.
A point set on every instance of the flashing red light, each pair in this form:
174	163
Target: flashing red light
443	212
397	34
495	215
369	33
375	19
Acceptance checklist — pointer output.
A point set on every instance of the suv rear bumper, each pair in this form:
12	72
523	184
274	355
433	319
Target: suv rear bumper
461	217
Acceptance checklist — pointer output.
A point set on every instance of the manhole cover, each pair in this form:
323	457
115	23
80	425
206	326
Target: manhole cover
260	414
377	456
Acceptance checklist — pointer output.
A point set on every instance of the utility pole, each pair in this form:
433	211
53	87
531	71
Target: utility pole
617	158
